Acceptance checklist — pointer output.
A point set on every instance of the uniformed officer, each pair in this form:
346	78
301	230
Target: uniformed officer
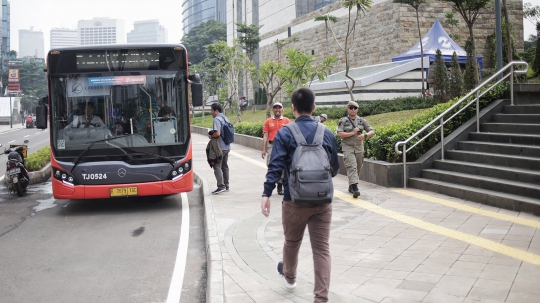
351	131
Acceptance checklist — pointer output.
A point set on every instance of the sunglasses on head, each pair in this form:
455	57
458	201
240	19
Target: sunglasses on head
353	107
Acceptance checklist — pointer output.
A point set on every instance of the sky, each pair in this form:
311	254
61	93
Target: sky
44	15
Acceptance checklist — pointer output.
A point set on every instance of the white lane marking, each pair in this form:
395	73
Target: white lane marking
27	136
12	141
175	289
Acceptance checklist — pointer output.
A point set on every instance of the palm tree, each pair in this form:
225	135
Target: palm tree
326	18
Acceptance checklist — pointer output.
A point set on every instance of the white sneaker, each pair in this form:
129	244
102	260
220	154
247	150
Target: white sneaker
289	286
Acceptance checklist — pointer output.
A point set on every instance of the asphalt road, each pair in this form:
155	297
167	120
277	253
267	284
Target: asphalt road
36	139
113	250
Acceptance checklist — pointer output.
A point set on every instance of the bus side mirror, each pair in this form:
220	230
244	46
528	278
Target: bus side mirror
196	90
41	113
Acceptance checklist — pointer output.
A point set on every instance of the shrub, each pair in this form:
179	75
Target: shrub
39	159
381	147
249	128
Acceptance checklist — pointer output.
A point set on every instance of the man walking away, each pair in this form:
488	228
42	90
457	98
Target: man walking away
295	216
351	131
221	168
270	129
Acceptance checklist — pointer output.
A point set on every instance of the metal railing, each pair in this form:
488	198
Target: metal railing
476	100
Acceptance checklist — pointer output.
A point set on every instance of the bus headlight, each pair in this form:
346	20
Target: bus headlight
180	170
64	177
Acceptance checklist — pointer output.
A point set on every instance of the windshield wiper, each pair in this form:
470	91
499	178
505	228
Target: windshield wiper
92	144
127	154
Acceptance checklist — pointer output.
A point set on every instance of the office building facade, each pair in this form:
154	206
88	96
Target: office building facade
101	31
31	43
147	31
195	12
64	37
6	33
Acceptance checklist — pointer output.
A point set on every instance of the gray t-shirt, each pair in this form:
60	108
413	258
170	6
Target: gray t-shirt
218	125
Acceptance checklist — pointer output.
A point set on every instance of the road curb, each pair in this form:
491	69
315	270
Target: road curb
214	257
41	175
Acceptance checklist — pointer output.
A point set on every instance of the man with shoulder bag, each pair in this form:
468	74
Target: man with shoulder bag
308	190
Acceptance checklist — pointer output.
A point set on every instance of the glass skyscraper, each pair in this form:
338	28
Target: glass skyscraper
195	12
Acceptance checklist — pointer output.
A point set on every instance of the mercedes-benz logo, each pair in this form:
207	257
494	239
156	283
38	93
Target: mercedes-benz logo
122	172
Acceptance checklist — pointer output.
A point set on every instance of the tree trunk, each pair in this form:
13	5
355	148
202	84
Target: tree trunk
421	53
508	37
475	60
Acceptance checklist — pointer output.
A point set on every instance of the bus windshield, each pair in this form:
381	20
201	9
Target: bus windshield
142	113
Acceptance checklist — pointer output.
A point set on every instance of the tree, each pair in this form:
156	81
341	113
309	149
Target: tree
456	78
33	83
272	75
469	10
280	44
468	75
532	14
416	4
326	18
211	76
232	63
361	7
440	78
249	41
201	35
453	23
298	71
302	70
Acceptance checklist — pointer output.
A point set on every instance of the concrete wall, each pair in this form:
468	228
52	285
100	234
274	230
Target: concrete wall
385	31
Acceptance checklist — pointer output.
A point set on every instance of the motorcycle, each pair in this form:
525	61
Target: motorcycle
30	122
17	177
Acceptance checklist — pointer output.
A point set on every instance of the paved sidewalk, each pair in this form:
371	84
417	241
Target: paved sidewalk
8	128
390	245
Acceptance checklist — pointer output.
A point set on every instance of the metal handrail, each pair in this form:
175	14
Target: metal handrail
440	118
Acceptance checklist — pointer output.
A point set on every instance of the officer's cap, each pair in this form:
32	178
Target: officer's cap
352	103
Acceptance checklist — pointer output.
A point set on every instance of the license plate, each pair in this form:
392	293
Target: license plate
14	171
123	191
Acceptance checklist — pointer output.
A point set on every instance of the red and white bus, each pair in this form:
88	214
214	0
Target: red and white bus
119	120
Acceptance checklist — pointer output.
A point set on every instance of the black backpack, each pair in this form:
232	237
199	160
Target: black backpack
227	131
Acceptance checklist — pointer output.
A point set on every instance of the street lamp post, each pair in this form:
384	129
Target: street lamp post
10	113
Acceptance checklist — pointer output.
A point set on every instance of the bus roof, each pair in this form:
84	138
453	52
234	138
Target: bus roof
117	46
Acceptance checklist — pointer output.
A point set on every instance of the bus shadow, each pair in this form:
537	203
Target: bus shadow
119	205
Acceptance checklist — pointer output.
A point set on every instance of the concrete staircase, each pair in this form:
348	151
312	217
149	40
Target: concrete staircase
498	166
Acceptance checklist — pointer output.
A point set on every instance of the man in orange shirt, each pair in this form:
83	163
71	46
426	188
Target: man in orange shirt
270	129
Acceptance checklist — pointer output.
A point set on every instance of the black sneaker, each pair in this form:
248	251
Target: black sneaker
219	191
289	286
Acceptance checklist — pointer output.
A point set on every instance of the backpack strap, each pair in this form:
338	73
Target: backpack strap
295	130
319	134
299	137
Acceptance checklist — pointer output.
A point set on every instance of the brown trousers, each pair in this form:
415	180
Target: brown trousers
295	217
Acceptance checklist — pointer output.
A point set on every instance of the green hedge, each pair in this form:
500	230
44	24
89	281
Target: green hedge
381	146
39	159
249	128
368	108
